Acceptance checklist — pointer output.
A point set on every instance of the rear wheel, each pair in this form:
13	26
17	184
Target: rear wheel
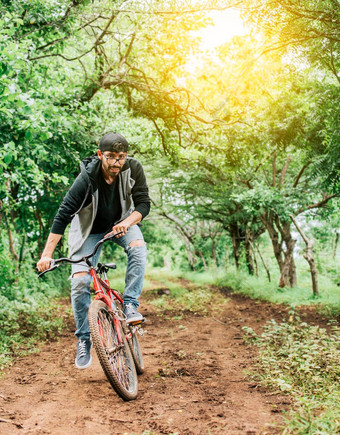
133	341
115	358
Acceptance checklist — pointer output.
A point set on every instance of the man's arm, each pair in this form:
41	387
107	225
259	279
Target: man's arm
46	257
73	200
70	205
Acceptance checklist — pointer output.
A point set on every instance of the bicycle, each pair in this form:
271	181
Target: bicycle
116	342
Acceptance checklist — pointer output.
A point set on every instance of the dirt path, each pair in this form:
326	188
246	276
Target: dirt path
194	382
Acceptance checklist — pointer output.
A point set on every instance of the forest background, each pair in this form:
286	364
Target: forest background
239	139
240	142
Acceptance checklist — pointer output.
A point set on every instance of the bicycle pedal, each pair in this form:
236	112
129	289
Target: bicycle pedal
137	323
141	332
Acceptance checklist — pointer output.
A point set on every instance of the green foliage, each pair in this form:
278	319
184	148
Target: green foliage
30	312
165	247
24	324
304	361
7	268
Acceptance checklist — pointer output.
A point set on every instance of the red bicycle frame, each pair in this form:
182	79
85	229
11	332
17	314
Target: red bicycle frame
102	287
108	297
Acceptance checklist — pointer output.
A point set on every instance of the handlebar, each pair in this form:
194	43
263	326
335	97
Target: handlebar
55	263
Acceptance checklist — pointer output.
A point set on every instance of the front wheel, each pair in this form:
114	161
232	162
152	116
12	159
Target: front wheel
136	350
115	358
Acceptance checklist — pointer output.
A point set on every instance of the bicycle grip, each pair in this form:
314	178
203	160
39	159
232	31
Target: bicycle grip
111	235
55	266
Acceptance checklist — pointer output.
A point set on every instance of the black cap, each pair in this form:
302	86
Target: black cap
113	142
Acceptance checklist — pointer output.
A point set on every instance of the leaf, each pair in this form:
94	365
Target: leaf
28	134
8	158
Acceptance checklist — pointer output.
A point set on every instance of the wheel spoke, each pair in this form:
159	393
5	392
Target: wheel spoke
114	350
114	356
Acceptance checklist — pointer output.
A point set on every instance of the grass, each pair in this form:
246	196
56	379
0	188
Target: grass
258	288
303	361
178	295
165	291
241	282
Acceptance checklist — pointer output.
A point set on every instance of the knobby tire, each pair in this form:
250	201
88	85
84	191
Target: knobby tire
118	364
136	351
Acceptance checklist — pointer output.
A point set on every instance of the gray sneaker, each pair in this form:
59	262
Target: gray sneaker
83	358
132	315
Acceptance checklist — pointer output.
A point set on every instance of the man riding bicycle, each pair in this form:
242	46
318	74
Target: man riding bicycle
109	194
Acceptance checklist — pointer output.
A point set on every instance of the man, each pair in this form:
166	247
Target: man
109	194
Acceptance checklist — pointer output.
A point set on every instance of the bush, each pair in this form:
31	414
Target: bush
29	312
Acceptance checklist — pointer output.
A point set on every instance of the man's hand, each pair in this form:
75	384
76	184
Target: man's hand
122	228
124	225
44	263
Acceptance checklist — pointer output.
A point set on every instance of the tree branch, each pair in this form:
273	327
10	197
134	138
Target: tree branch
284	171
333	69
165	149
317	204
274	170
297	179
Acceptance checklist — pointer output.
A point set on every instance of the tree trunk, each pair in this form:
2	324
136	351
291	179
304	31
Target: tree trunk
37	215
12	248
235	238
200	254
11	241
22	251
249	252
268	221
288	271
11	245
227	257
190	257
264	264
309	257
213	252
256	266
280	234
336	243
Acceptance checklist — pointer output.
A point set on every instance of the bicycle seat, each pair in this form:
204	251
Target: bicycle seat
105	267
110	265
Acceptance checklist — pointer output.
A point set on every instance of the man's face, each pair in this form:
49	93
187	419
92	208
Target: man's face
112	163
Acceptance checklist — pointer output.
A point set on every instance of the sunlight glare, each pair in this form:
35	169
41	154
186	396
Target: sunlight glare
227	24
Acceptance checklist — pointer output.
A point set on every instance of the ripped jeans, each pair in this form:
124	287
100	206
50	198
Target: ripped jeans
80	286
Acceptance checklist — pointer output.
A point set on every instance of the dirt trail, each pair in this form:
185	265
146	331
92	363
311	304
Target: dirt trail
194	382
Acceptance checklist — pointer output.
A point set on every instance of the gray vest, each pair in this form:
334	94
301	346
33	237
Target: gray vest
82	222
